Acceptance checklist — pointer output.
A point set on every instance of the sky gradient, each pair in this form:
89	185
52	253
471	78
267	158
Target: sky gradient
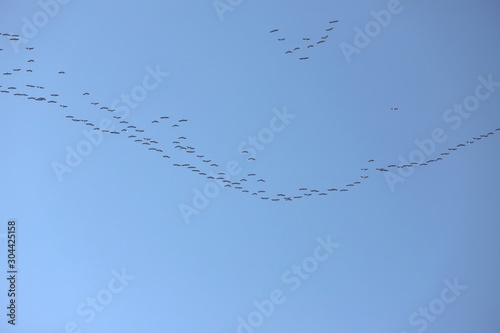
113	236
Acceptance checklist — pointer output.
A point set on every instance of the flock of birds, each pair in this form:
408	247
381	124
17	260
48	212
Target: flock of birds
202	165
306	42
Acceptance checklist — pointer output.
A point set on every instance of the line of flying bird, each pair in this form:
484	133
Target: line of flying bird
307	40
208	168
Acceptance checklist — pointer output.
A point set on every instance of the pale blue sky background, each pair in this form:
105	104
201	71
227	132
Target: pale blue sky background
120	207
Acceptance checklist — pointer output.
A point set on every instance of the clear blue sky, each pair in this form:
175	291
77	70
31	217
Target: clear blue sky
122	240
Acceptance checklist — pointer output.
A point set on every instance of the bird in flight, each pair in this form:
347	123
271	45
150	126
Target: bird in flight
304	58
273	30
281	39
394	109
